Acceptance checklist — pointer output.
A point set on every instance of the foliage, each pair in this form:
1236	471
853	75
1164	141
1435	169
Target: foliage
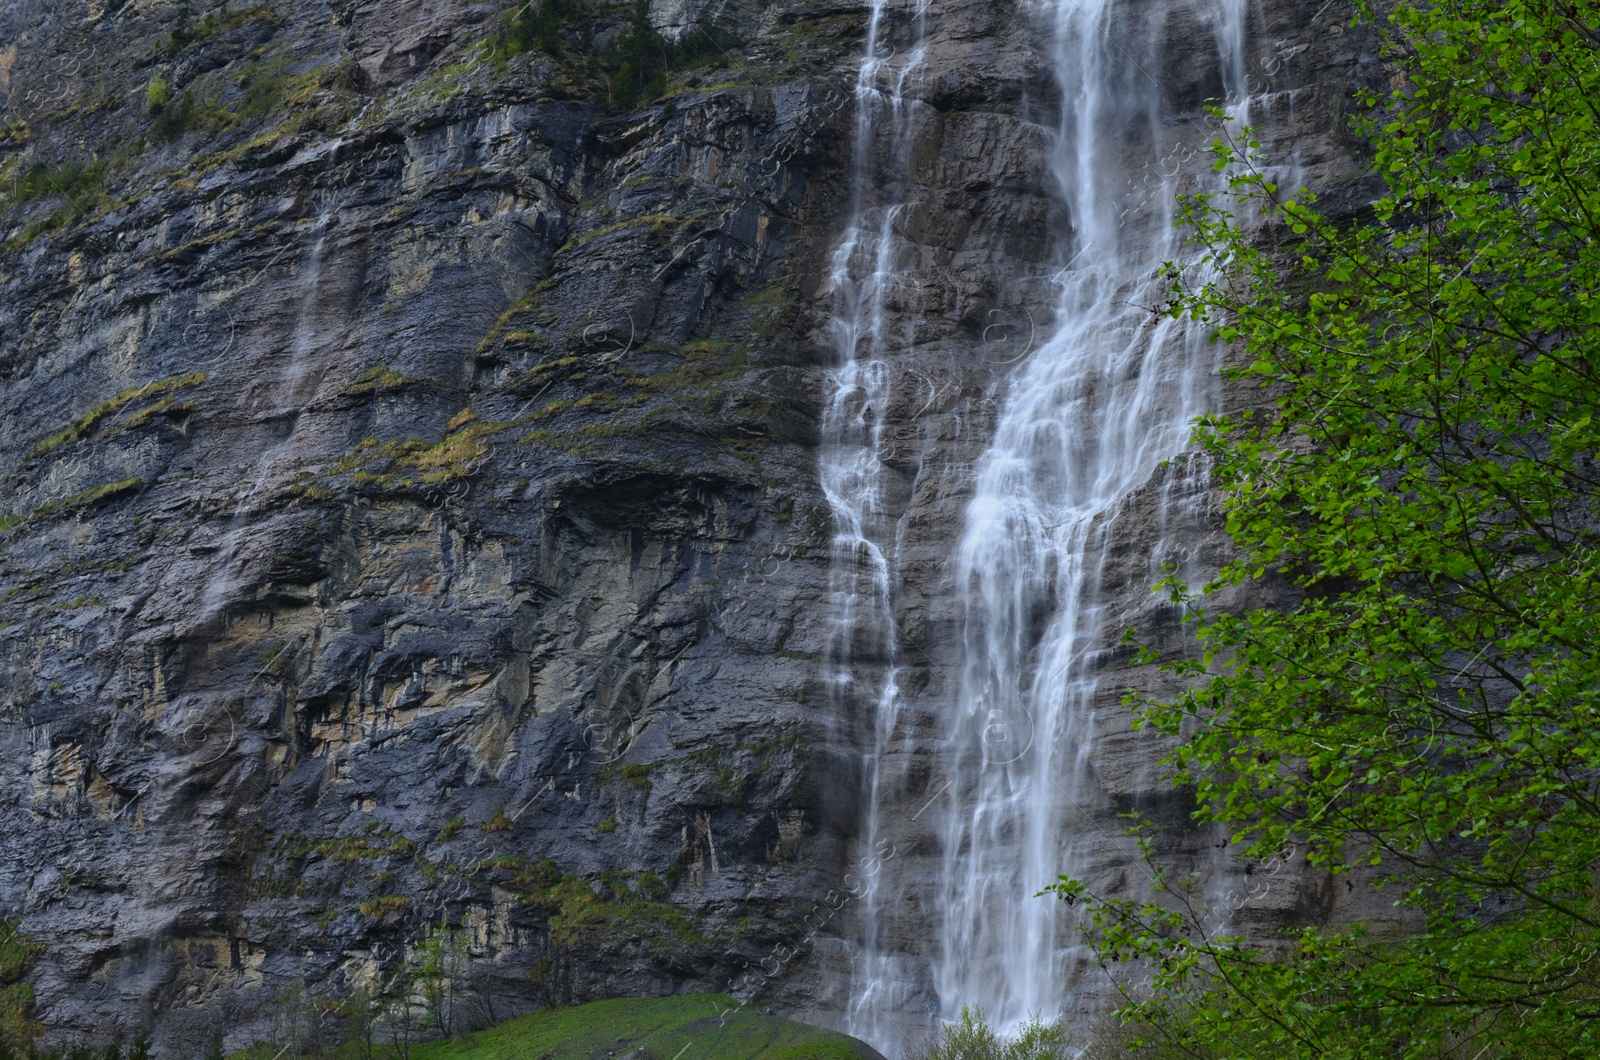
384	905
214	24
137	1048
265	88
410	463
637	64
537	24
451	827
18	953
379	378
266	84
358	1016
91	496
644	57
70	180
157	94
971	1038
704	1026
1422	477
433	974
589	915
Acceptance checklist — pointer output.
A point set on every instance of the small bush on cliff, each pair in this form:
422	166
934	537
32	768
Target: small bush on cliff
75	179
637	64
1426	475
157	94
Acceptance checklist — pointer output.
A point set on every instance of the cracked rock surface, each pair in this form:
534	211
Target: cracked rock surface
411	511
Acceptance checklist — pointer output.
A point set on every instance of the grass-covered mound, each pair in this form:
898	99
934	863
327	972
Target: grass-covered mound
686	1027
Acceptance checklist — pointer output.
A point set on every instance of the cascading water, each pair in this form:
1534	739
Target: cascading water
1085	422
865	271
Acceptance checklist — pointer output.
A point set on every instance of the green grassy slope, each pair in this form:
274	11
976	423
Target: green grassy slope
687	1027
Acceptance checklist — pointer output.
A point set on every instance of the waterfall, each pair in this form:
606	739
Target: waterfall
1085	422
865	270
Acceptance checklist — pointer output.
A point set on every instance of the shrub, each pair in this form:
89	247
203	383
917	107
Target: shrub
72	179
157	94
971	1038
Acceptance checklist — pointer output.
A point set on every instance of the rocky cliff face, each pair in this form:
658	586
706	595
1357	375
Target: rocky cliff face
412	520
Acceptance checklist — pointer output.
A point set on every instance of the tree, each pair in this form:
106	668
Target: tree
1421	473
435	971
643	58
359	1016
536	23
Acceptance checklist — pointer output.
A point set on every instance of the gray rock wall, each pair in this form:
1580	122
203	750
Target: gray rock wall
411	500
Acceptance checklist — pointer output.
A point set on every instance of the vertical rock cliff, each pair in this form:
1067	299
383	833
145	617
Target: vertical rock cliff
411	510
411	415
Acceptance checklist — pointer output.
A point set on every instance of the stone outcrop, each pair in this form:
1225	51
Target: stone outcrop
412	520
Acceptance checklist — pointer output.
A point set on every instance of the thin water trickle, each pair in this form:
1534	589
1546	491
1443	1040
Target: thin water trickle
1085	422
866	268
281	401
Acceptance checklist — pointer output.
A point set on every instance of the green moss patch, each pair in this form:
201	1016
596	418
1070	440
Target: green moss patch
18	953
111	406
597	914
90	497
380	378
72	179
399	465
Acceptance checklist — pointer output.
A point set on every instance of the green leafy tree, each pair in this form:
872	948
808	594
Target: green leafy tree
436	969
420	997
359	1015
1420	475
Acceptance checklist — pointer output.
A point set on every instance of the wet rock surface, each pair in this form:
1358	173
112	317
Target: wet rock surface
411	501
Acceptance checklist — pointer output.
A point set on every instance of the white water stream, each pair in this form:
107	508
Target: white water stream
1085	421
865	272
